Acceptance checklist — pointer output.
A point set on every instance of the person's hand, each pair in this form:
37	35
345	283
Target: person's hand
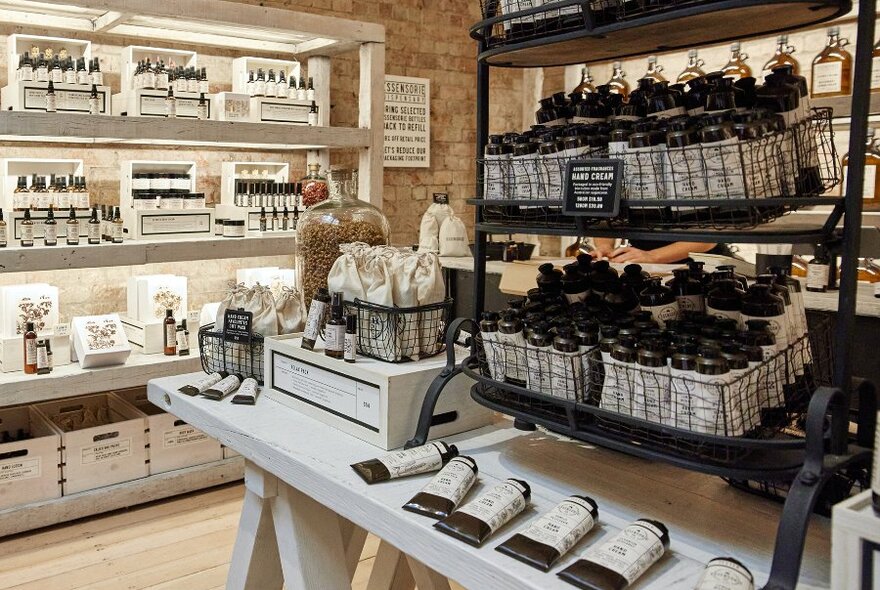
599	252
630	254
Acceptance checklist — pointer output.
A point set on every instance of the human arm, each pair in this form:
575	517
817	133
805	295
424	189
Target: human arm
663	255
603	247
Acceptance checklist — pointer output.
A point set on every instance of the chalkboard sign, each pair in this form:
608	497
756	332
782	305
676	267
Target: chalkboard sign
592	188
441	198
237	326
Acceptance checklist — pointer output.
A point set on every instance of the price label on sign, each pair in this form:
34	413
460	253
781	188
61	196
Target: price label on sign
441	198
593	187
237	326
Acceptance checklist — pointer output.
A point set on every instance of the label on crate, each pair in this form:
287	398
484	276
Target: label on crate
106	451
17	470
282	112
875	73
347	397
182	435
827	77
593	187
70	101
176	223
184	108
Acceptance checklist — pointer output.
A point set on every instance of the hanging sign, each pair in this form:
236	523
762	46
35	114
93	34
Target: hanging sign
407	122
592	188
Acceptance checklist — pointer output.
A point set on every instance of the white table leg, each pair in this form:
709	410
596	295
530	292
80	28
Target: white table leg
255	562
354	538
426	578
310	542
390	570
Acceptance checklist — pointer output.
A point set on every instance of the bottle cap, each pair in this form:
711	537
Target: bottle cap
351	323
29	327
169	313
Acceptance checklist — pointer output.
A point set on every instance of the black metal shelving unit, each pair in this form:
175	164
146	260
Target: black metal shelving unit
828	448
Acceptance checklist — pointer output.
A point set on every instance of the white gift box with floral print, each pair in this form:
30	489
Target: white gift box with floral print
19	304
99	340
150	295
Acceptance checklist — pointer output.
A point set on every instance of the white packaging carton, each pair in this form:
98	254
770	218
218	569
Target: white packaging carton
150	295
19	304
30	470
99	340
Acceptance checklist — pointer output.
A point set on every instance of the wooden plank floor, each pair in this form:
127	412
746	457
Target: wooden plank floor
182	543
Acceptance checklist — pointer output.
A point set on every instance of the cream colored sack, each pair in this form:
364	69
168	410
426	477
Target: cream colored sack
454	238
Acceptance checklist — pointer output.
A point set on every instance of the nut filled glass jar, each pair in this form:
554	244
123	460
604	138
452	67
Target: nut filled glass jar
341	219
314	187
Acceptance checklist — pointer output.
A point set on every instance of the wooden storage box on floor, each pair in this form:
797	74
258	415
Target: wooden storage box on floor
98	456
173	444
30	470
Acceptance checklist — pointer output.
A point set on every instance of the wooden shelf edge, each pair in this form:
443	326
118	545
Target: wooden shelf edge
137	252
29	517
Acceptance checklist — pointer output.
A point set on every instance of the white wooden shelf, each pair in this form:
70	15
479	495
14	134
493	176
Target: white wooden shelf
137	252
28	517
70	380
100	130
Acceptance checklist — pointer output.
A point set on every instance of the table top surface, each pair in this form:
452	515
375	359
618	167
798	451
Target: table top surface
706	517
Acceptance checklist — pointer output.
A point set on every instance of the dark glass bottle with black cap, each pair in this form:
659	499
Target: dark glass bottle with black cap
664	103
721	97
549	279
725	299
659	300
634	277
738	277
688	291
601	274
620	300
575	286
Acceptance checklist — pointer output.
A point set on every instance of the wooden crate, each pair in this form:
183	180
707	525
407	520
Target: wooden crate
30	470
372	400
173	444
101	455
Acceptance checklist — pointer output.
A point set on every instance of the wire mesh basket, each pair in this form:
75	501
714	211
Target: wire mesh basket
397	334
221	355
524	20
732	184
691	415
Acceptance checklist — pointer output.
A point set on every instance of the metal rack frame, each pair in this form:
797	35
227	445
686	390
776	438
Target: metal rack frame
827	448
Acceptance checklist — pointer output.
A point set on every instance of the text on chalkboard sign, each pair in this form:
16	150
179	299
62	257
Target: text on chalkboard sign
237	326
592	188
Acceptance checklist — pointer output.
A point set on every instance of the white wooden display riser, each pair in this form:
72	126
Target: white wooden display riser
251	217
855	537
30	470
149	337
70	98
242	65
168	224
15	218
133	54
144	102
12	352
385	408
17	44
230	173
12	168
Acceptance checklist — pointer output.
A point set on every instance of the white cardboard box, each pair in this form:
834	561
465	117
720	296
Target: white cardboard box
30	470
144	102
99	340
148	297
233	106
173	444
372	400
150	337
12	355
170	224
36	302
100	455
69	98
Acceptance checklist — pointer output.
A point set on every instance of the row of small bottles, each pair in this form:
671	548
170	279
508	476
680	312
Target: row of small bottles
58	70
266	84
267	193
109	228
284	222
831	69
150	75
202	111
52	100
60	192
822	272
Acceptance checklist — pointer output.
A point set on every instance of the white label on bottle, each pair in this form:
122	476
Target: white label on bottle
497	506
827	77
673	112
107	451
514	351
684	175
631	552
94	106
94	231
617	149
817	275
453	481
414	461
70	76
551	176
4	234
30	352
170	107
723	574
182	436
538	363
50	103
334	338
202	111
315	319
685	398
875	73
19	469
563	526
869	185
27	233
182	340
206	382
526	177
170	335
644	173
778	325
566	375
663	313
724	171
349	351
42	357
50	233
494	355
615	388
495	170
691	302
651	394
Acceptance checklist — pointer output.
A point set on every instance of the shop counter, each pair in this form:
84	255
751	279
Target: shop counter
303	497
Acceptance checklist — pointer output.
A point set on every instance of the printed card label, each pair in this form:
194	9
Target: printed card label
184	435
18	470
109	451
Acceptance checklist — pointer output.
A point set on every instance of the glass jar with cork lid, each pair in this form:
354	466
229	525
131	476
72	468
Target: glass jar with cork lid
314	186
341	219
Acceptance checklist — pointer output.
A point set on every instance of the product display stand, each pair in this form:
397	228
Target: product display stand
806	462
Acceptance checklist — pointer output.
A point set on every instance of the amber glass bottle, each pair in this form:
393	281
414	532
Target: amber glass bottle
832	69
782	57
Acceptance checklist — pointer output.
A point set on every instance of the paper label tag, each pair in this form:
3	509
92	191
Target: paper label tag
663	313
177	223
723	574
17	469
182	435
869	185
498	505
109	451
631	552
453	482
827	77
413	461
563	526
284	112
817	275
691	302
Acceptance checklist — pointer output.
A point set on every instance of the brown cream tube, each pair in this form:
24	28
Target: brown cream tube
429	457
474	522
443	493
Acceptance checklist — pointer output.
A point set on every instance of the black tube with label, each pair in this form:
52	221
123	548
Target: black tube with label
474	522
444	492
429	457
